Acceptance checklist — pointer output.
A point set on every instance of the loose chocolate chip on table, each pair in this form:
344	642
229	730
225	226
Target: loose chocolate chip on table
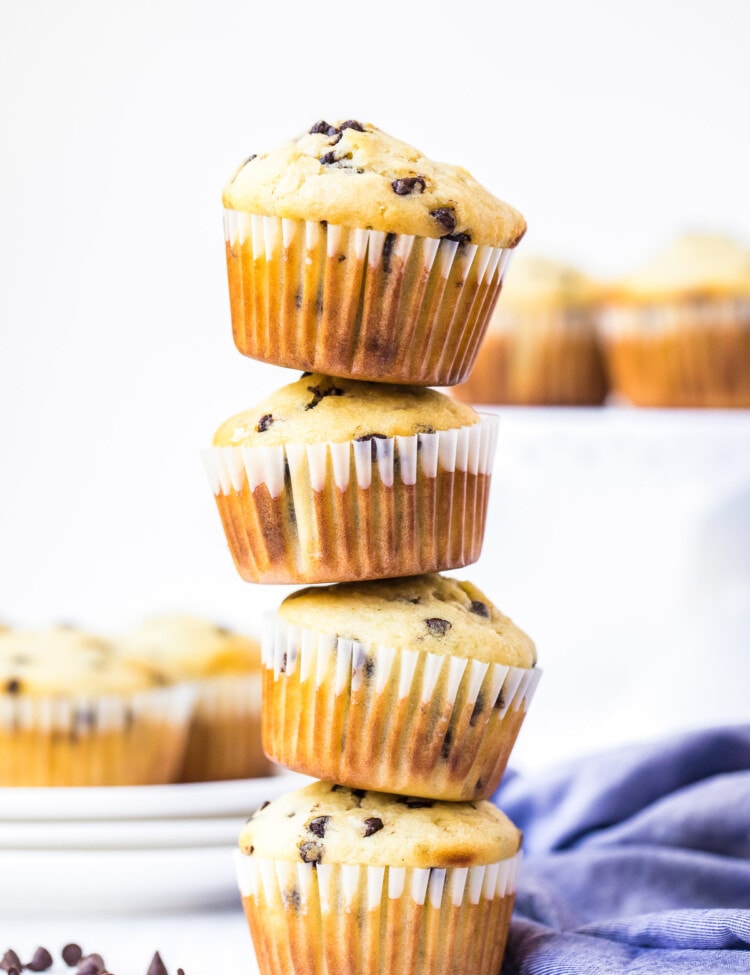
318	825
409	184
92	964
372	825
13	971
446	217
436	626
10	960
180	971
479	608
41	961
72	954
12	686
311	852
264	423
157	966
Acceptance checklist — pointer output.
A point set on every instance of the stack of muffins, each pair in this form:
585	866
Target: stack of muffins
354	258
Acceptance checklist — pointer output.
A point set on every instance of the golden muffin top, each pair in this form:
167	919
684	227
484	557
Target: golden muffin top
691	266
325	823
185	647
355	175
68	661
536	283
320	409
434	613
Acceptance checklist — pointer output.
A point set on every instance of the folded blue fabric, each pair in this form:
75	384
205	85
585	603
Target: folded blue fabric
637	860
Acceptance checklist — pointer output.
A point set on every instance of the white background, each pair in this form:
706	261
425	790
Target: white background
611	126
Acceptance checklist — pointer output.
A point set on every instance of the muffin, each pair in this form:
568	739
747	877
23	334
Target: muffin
74	713
341	880
332	480
415	685
542	346
677	331
225	667
351	254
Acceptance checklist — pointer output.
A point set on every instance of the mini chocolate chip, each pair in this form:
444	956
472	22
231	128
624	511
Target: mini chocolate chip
336	139
318	825
41	961
342	257
264	423
323	224
250	158
372	825
10	960
437	627
446	217
157	966
445	750
319	394
409	184
358	793
328	157
72	954
311	852
372	437
323	128
92	964
352	124
479	608
462	238
12	686
390	240
266	802
413	802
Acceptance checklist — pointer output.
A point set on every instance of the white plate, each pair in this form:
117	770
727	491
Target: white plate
239	797
77	882
113	834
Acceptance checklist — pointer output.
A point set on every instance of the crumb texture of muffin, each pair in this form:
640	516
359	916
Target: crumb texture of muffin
225	668
415	685
542	346
336	880
74	712
330	480
677	330
350	253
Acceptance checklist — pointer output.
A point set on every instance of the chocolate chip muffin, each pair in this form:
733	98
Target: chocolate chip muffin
417	685
542	346
225	668
73	712
332	480
677	330
352	254
343	880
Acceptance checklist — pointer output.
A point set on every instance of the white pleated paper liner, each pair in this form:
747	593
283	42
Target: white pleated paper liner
359	303
225	730
689	353
322	918
374	508
403	721
130	739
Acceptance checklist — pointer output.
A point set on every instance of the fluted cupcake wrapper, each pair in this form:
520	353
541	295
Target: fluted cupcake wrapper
372	508
225	730
680	353
127	739
373	717
359	303
313	919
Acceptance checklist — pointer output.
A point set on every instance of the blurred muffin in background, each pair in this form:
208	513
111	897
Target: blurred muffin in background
677	331
73	712
224	741
542	346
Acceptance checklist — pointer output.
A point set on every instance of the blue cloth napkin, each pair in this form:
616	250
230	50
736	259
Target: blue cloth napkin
636	860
